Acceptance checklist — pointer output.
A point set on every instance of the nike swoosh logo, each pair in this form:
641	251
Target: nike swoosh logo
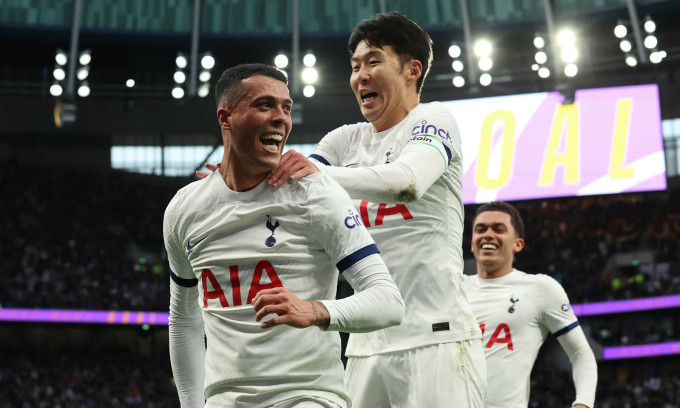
190	247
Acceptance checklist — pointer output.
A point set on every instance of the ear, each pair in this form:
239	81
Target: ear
223	118
519	245
415	70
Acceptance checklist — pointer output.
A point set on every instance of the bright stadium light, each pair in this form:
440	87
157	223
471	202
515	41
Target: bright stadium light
650	25
84	90
457	65
650	42
82	73
56	89
620	30
482	48
541	57
203	90
85	57
181	61
179	77
130	83
454	50
631	61
61	57
177	92
570	70
458	81
208	61
539	42
204	76
625	46
655	57
535	67
485	79
308	91
544	72
309	75
59	74
485	63
566	38
281	61
569	54
309	59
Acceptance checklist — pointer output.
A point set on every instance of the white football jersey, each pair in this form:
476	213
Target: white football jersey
420	241
516	312
230	245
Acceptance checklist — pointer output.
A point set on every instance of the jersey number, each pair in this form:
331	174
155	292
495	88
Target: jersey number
503	329
255	284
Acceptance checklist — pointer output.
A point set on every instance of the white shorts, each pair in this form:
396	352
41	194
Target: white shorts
254	397
437	376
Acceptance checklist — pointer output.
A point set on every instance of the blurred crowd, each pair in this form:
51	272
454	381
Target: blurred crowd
94	381
93	240
555	389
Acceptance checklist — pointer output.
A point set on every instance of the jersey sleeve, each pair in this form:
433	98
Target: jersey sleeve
432	143
556	312
187	350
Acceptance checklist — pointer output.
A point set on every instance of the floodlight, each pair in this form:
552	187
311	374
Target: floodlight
535	67
56	89
203	90
454	51
569	54
61	57
177	92
541	57
570	70
650	42
485	63
180	77
650	25
655	57
483	48
625	46
544	72
308	91
539	42
281	61
620	31
59	74
204	76
84	90
207	62
458	81
181	61
631	61
310	75
309	59
83	73
130	83
85	57
457	65
485	79
566	37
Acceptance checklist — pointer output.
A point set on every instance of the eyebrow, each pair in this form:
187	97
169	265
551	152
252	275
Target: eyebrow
492	225
369	54
286	101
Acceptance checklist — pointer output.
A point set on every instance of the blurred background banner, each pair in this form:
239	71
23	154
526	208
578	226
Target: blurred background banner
535	146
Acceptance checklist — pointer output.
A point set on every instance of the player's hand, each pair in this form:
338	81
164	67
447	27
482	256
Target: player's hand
211	167
293	165
290	309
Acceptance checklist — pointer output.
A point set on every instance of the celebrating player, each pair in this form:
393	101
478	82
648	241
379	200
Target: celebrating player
406	167
516	312
255	264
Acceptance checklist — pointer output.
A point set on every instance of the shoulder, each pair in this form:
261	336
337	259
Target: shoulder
317	187
184	196
350	129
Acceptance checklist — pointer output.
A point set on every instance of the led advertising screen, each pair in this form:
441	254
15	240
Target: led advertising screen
532	146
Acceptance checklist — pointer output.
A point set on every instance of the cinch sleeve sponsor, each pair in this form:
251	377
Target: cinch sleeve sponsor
557	314
438	130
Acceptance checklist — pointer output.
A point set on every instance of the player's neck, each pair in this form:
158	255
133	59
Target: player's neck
236	179
493	273
396	114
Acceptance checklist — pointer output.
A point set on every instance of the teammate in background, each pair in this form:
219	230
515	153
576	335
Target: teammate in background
406	167
241	252
516	312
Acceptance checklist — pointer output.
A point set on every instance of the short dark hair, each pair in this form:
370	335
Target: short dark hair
230	81
515	217
405	37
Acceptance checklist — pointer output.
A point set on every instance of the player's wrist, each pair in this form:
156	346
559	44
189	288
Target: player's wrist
321	317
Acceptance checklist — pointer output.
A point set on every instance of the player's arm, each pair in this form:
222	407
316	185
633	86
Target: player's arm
559	318
376	305
584	366
186	336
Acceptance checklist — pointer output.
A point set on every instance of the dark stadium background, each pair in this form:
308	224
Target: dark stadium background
77	234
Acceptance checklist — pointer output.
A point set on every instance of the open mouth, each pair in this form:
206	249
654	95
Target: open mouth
489	246
368	96
271	141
